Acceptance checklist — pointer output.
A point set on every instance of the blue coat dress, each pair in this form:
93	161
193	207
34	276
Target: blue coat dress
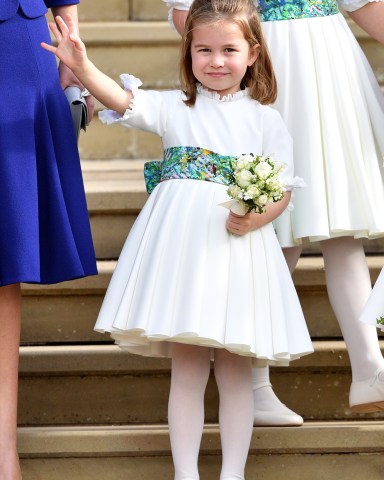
44	226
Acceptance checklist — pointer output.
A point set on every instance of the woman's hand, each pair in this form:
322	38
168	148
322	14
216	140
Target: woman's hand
69	79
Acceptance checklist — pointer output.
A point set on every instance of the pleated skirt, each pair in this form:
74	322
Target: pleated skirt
334	110
181	277
45	234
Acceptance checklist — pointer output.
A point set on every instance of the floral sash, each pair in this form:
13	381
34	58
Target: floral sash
188	162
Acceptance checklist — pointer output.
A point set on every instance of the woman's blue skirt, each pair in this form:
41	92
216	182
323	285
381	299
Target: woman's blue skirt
45	235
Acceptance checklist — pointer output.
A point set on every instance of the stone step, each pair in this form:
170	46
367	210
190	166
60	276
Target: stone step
66	312
101	384
318	450
150	51
122	10
116	193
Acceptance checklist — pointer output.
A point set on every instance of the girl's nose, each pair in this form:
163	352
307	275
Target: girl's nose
217	61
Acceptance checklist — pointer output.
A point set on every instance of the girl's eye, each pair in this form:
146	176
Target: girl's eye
203	50
229	50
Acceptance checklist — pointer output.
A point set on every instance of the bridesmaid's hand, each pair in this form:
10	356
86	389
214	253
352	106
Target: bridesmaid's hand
72	54
70	49
243	224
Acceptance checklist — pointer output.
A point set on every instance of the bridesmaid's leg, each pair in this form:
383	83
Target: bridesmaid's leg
268	410
349	286
234	382
9	362
189	377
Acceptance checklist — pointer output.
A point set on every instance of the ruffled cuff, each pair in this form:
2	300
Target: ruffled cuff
296	182
353	5
130	83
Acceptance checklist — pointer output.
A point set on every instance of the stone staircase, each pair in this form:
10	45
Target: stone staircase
90	411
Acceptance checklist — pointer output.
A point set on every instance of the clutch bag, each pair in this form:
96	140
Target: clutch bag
79	109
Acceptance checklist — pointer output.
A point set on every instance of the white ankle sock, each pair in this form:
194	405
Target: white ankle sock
263	394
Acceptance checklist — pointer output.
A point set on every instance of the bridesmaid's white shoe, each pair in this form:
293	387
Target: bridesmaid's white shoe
367	396
270	412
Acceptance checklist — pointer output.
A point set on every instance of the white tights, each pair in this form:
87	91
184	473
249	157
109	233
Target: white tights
348	286
190	373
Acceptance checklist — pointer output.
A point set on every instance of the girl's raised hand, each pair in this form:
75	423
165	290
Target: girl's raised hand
70	49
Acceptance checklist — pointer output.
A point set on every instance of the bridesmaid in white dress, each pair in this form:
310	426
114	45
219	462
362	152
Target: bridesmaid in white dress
194	281
334	110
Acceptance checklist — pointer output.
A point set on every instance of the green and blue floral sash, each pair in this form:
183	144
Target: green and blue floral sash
272	10
189	162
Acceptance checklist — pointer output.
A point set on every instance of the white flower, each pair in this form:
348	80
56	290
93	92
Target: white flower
234	191
262	200
263	169
251	192
244	162
243	178
273	184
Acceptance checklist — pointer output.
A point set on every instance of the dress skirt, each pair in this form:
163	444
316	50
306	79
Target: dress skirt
181	277
44	226
334	110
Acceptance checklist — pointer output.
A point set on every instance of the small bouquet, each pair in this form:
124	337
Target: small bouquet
255	183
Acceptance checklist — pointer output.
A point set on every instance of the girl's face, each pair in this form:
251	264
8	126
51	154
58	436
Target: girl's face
220	56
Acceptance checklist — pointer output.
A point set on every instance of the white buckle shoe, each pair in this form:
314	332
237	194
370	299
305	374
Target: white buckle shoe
272	413
367	396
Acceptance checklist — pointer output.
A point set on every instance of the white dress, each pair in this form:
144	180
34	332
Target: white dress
334	110
181	277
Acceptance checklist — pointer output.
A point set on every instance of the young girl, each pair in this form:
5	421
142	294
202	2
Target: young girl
193	281
334	110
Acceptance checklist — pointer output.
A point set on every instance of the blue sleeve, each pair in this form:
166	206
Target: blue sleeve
60	3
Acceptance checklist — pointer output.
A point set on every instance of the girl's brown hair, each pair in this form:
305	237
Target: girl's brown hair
259	77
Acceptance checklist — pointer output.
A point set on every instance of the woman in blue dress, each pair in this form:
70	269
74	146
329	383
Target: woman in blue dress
334	110
44	227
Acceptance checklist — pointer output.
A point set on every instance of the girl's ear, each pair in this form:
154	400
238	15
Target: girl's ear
253	54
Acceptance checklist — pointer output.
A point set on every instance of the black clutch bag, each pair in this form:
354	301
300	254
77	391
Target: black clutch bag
79	109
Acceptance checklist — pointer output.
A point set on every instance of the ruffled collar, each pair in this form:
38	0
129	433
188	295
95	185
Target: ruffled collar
227	98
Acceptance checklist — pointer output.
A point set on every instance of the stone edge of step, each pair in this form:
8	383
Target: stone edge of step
63	360
153	440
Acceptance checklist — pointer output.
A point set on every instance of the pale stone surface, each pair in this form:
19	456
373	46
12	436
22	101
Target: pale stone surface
57	383
148	10
101	11
265	467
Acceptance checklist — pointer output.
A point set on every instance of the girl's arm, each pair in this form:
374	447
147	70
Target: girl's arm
67	77
72	52
241	225
179	17
371	19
